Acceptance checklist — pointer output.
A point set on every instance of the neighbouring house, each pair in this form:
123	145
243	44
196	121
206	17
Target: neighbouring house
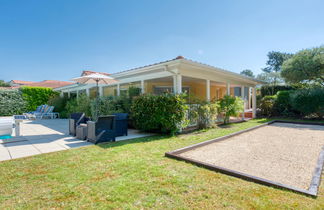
45	83
177	75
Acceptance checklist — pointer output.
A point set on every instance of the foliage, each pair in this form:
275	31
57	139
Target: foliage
267	104
307	66
282	105
205	113
160	113
309	101
269	90
79	104
59	104
109	105
4	84
11	102
274	65
230	106
247	72
36	96
134	91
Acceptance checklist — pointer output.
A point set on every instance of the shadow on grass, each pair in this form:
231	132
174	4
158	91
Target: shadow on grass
111	144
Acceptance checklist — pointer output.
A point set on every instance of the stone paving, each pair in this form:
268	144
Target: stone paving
44	136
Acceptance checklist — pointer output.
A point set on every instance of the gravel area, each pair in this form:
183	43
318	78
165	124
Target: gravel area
282	152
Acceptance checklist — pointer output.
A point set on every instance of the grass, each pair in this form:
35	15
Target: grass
135	174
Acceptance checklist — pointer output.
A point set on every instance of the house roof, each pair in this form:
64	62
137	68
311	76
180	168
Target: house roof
181	58
21	82
85	73
50	84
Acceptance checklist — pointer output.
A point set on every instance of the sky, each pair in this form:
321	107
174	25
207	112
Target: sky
57	39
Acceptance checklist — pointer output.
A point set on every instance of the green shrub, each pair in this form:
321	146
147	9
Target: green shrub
79	104
230	106
269	90
109	105
205	113
267	104
308	102
160	113
11	103
282	105
59	104
36	96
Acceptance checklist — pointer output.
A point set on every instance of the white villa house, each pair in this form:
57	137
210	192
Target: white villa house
177	75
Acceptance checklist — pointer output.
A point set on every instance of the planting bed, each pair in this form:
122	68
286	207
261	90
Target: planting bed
281	154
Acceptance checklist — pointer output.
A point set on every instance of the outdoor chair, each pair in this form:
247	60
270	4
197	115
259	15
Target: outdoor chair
75	120
102	130
121	124
42	111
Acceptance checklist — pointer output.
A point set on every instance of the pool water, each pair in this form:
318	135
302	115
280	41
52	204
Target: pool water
5	137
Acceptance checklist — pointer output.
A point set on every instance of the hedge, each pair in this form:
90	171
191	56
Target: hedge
159	113
36	96
11	102
269	90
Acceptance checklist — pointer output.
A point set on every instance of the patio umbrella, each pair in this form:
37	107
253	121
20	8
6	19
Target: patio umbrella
97	79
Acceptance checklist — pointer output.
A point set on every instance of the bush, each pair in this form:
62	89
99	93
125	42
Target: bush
79	104
309	102
282	105
11	102
269	90
230	106
59	104
205	113
163	113
267	104
36	96
109	105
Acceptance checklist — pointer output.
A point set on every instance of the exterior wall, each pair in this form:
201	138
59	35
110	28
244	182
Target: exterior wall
93	92
110	90
197	89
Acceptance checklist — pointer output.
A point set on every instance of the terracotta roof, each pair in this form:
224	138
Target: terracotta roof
21	82
84	73
9	88
50	84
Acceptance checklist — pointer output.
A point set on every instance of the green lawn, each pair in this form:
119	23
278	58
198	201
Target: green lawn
135	174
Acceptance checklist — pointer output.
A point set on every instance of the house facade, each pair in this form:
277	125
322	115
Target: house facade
177	76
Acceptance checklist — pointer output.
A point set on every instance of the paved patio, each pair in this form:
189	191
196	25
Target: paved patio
44	136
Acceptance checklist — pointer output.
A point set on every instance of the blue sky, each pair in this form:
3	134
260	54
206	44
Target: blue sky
56	39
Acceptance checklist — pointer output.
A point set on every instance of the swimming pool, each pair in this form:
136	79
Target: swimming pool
5	137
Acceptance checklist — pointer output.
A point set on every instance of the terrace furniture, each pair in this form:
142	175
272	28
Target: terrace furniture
75	120
121	124
42	111
81	131
102	130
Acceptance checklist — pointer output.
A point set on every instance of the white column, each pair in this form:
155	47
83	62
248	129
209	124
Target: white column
61	94
69	94
253	102
77	93
174	84
88	92
100	91
208	90
142	87
228	89
179	84
118	89
243	98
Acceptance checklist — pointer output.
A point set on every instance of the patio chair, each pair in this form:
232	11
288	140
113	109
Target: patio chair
121	124
75	120
37	113
102	130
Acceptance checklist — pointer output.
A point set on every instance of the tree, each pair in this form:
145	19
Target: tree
305	67
230	106
274	65
247	72
4	84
